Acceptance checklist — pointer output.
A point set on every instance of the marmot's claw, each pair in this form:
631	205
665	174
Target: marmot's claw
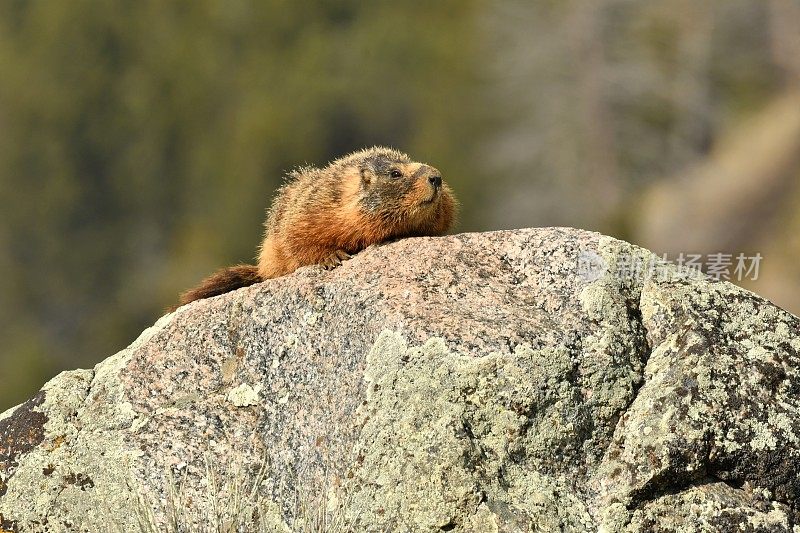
335	259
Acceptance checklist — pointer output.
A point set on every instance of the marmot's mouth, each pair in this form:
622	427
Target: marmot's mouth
434	195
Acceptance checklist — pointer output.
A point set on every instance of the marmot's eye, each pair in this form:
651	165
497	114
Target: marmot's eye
396	174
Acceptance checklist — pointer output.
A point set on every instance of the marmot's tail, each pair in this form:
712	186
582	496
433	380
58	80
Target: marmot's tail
222	281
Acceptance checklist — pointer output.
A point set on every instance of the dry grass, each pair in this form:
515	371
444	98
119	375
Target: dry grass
232	504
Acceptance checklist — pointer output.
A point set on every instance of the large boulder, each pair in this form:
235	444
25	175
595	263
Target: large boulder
534	380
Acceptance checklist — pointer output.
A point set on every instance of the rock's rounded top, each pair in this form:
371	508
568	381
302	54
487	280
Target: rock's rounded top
541	378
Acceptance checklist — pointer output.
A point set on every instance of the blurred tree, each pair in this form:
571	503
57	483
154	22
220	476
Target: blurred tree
598	99
672	124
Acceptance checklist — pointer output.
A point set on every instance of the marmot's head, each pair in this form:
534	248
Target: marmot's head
410	198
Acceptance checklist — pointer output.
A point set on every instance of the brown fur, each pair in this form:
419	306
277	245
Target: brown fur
322	216
222	281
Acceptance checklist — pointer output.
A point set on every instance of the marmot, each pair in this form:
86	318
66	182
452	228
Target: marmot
324	215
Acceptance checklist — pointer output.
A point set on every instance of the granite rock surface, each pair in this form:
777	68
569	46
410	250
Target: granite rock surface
545	379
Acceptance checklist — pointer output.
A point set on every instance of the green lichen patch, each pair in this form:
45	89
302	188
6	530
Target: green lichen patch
711	507
456	443
719	401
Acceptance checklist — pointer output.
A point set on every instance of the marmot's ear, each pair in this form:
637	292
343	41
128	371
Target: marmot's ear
366	176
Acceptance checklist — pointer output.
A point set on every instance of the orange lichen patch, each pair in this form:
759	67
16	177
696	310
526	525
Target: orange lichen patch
56	443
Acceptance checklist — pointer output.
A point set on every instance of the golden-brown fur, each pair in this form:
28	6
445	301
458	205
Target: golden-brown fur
322	216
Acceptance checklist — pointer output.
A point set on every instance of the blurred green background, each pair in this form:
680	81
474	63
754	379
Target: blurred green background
141	142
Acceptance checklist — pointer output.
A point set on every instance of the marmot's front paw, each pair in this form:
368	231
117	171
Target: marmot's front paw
335	259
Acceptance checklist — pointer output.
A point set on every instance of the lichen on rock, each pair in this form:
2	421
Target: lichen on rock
451	441
503	381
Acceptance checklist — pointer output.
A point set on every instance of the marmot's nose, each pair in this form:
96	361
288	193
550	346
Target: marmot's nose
436	181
